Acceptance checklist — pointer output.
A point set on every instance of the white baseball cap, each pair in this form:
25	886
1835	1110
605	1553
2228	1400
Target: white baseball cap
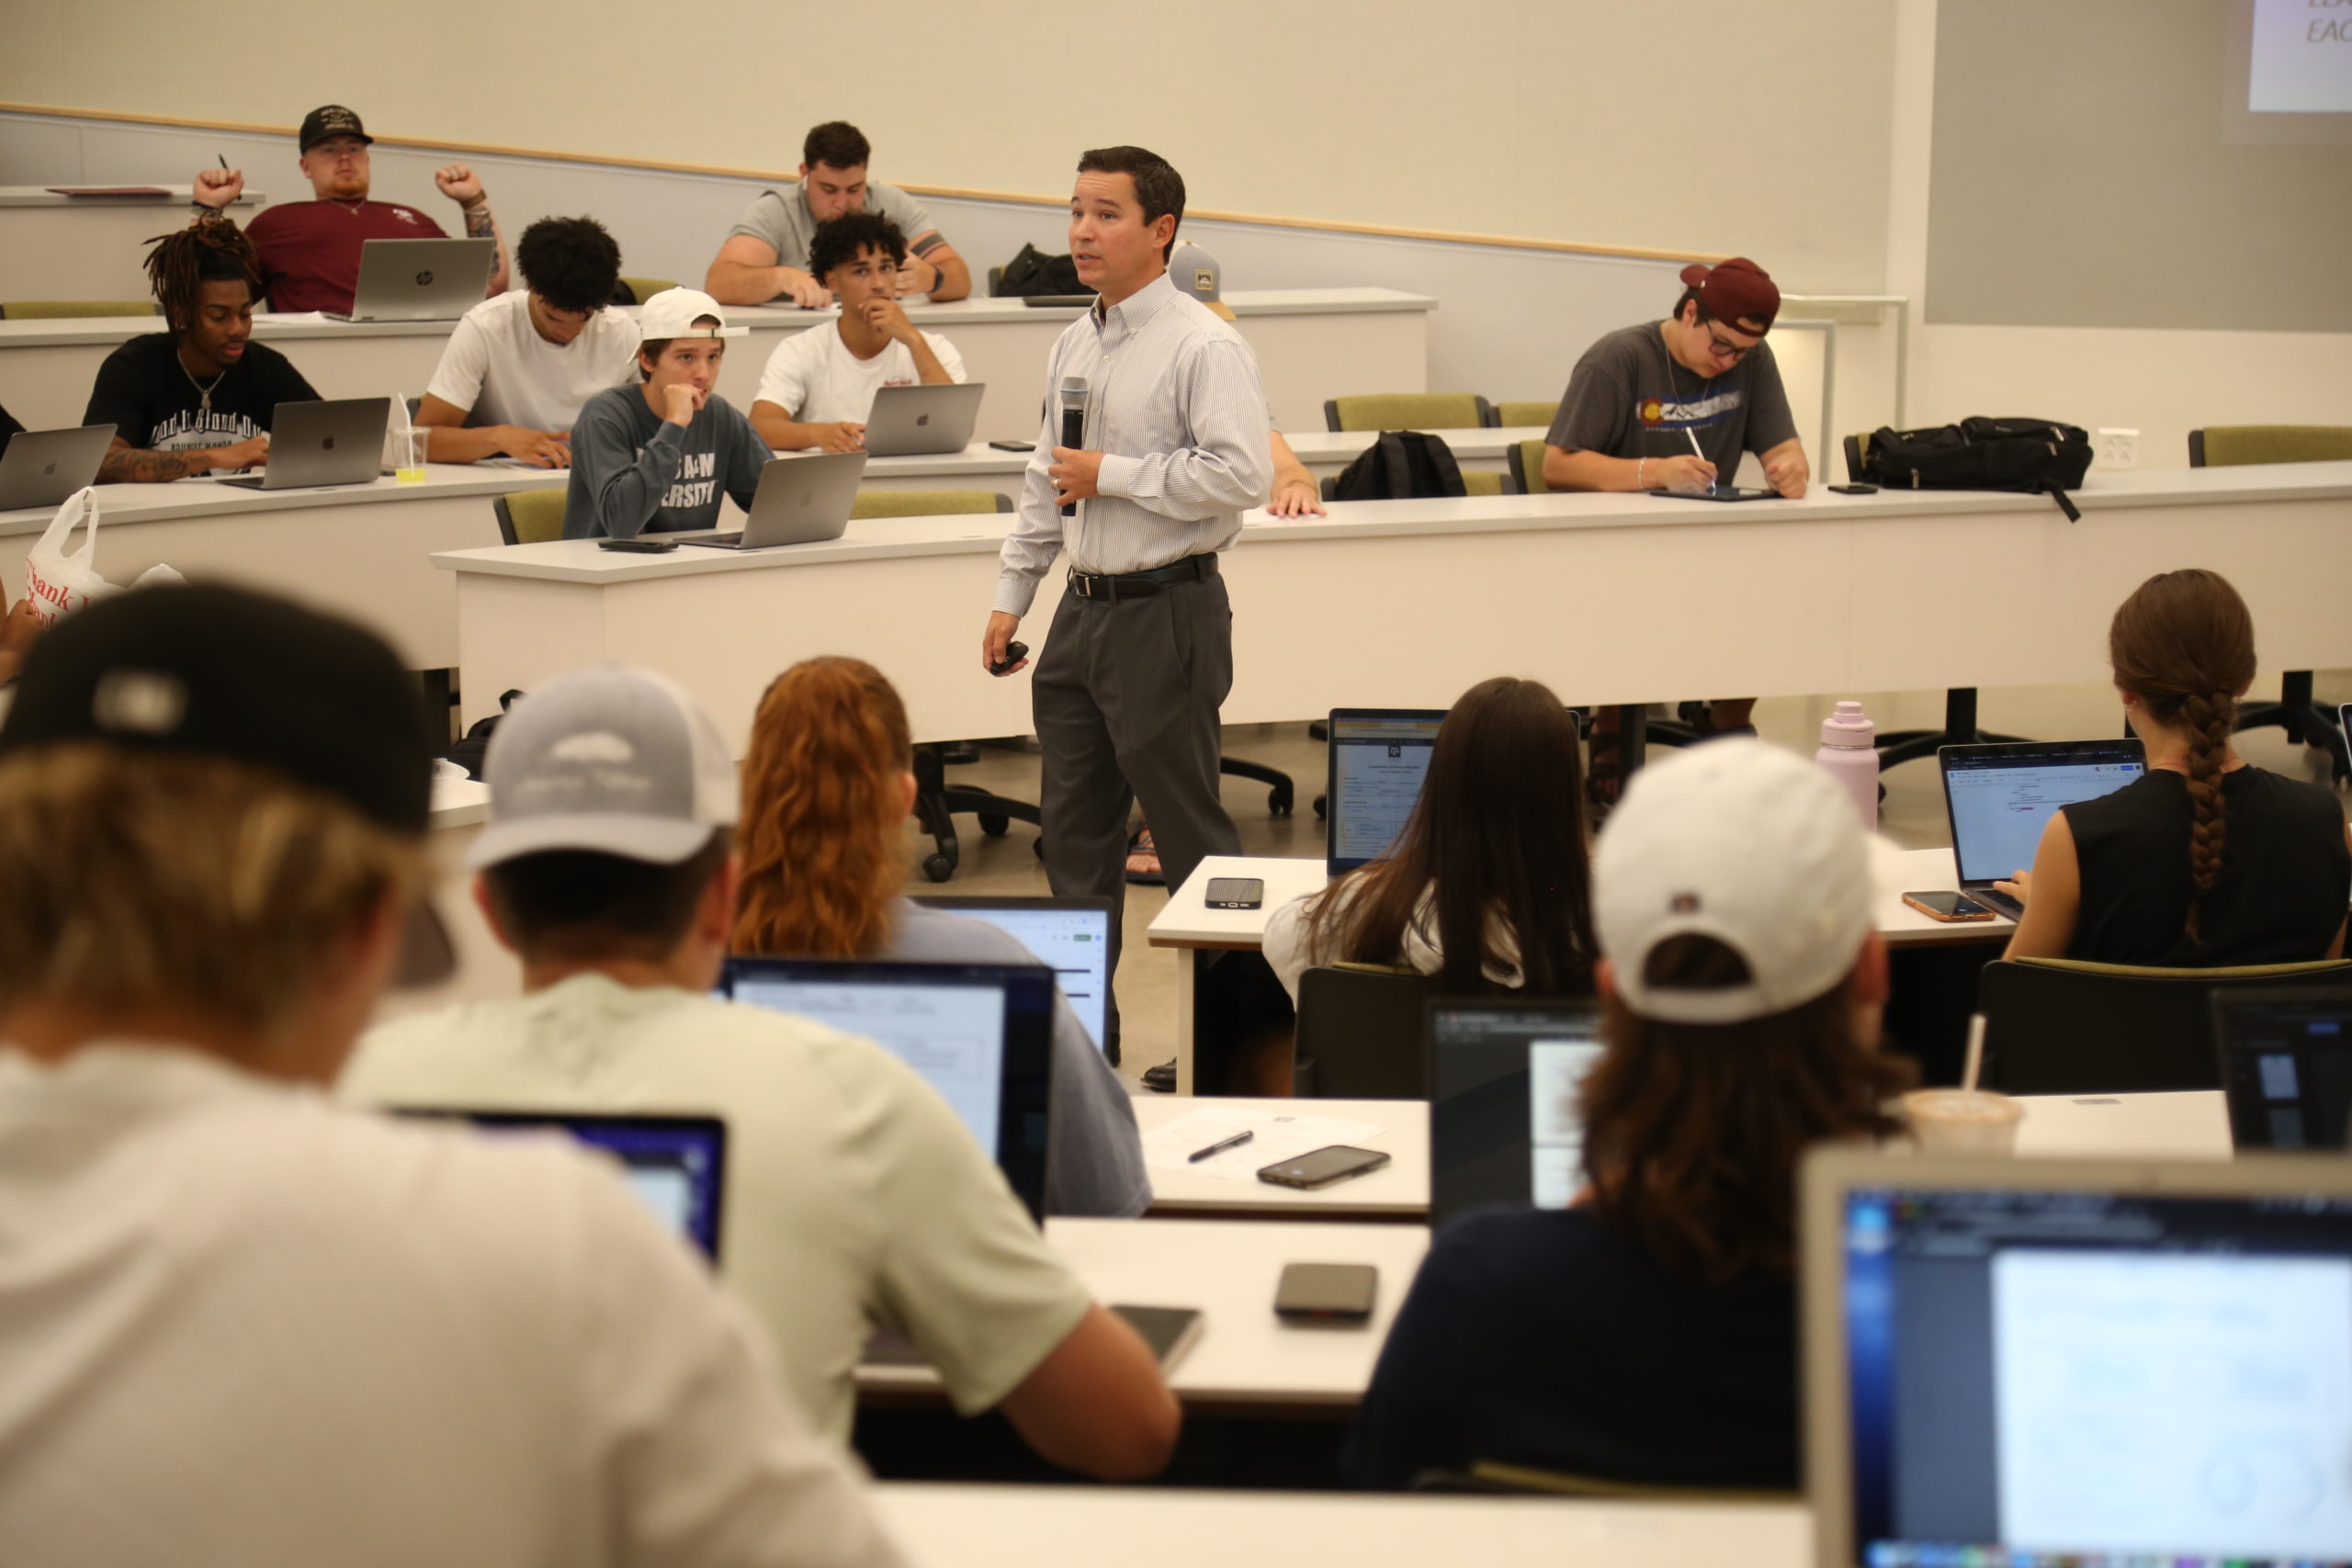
1195	271
673	311
1746	843
615	760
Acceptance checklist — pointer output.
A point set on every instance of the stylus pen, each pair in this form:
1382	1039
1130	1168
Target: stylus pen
1219	1148
1692	437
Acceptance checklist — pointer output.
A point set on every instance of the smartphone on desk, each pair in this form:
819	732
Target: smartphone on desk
1338	1295
1947	907
638	546
1235	893
1324	1166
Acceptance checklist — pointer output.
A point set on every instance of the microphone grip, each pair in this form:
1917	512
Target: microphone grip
1074	438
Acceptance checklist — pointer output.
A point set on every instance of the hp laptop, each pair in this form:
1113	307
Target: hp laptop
980	1034
41	468
2285	1064
340	442
2088	1362
677	1165
801	500
419	280
1377	760
2001	795
1070	936
1503	1122
910	422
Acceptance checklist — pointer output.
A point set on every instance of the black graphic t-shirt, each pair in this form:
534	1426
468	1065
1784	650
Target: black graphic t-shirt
148	396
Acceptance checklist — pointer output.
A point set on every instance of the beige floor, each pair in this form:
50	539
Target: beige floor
1913	816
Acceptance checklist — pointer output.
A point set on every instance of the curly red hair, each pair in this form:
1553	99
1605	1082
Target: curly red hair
821	859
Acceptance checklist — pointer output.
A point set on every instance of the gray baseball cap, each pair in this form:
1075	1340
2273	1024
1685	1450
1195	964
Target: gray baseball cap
1195	271
620	762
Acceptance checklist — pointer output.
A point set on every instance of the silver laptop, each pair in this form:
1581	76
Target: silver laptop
912	422
339	442
801	500
2033	1363
2001	794
419	280
41	468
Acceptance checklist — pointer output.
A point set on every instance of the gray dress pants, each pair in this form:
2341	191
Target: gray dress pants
1125	697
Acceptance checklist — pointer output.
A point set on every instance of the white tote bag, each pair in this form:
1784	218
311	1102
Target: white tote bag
59	581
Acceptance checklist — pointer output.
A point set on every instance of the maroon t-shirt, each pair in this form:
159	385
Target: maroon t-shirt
309	250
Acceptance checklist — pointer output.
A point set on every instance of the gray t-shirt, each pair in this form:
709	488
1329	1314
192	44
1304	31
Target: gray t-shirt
634	472
782	219
1095	1160
1627	398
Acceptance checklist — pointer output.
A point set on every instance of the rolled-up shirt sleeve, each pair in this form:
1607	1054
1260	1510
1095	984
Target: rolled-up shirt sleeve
1036	537
1229	465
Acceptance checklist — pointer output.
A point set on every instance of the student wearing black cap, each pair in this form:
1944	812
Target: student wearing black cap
309	250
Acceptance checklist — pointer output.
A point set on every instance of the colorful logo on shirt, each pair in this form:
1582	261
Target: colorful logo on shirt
1659	413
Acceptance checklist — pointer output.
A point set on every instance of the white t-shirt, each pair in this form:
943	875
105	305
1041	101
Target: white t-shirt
241	1325
855	1195
1292	947
499	369
815	379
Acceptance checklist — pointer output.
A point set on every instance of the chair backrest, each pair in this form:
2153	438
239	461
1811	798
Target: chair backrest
1526	467
2057	1026
995	276
1359	1034
2227	445
1857	447
1475	481
1408	411
1510	414
644	289
63	310
529	516
927	503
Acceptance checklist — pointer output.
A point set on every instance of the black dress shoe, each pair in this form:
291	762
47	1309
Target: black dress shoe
1160	1079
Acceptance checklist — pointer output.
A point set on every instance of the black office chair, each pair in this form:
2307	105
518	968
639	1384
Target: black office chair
1359	1034
2063	1026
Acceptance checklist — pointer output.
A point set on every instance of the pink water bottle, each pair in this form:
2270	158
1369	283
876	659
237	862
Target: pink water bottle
1850	754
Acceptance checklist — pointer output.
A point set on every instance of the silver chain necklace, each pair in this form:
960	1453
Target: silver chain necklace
203	392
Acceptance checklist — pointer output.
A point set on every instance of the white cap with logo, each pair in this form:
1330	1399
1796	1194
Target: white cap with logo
673	312
1748	844
615	760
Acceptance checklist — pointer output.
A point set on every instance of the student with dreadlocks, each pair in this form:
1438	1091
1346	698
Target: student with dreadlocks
197	397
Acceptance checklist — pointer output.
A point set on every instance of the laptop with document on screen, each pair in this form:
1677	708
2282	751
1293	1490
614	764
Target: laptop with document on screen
2069	1362
2000	795
676	1165
2285	1064
1377	760
980	1033
1069	936
1503	1080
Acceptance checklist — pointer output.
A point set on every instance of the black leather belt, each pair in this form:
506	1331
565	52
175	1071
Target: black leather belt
1141	584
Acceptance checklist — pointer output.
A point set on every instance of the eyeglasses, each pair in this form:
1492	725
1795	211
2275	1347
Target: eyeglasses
1724	348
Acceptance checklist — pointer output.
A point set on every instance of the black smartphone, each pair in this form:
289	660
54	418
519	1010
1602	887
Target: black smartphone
638	546
1236	892
1014	445
1323	1166
1334	1293
1947	906
1169	1331
1853	490
1014	652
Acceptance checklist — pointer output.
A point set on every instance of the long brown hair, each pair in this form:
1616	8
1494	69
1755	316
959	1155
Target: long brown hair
822	859
1498	828
2183	644
1693	1131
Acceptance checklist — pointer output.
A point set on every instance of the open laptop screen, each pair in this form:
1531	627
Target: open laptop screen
1378	758
1070	936
2082	1374
982	1034
676	1165
2001	797
1503	1125
2286	1065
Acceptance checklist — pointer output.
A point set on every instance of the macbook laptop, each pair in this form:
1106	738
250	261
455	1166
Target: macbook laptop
41	468
1503	1122
909	421
419	280
982	1034
2040	1362
801	500
1999	797
2285	1064
676	1165
340	442
1070	936
1377	760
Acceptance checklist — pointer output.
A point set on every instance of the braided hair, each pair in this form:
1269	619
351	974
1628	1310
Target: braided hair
2183	644
212	250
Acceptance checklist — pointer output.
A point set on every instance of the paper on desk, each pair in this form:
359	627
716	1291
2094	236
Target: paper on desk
1277	1137
293	318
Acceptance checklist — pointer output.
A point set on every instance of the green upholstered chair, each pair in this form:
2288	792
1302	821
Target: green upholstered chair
643	289
1510	414
1408	411
1526	467
927	503
1474	482
67	309
530	516
2063	1026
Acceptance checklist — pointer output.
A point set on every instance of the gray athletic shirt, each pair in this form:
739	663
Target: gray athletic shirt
782	219
634	472
1627	398
1095	1163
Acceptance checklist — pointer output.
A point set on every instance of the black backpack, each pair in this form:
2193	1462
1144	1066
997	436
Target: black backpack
468	752
1033	272
2038	455
1402	464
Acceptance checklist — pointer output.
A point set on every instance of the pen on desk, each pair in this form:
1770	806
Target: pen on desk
1219	1148
1692	437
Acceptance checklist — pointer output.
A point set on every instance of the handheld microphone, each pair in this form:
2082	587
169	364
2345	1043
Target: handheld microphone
1073	421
